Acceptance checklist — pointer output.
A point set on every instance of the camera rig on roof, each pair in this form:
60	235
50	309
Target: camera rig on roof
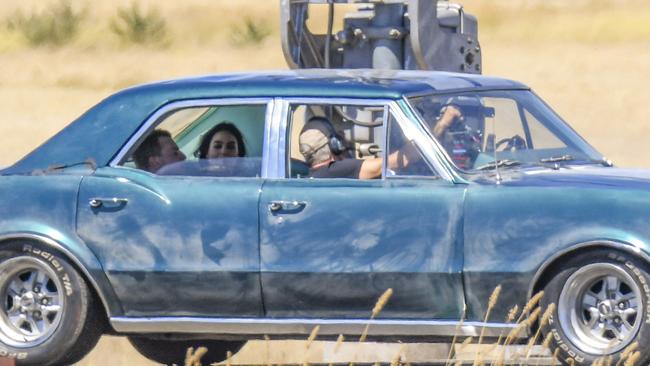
383	34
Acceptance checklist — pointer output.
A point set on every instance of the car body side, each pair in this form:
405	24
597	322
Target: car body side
516	230
507	230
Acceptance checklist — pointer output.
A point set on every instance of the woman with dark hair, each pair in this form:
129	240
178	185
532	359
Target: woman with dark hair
222	141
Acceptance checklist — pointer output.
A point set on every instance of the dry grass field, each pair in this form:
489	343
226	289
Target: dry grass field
590	59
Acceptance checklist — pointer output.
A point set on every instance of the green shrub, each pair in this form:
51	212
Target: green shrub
131	25
251	32
56	25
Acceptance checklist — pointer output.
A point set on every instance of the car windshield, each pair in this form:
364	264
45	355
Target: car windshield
508	128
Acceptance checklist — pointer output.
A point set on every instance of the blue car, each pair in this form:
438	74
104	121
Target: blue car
212	210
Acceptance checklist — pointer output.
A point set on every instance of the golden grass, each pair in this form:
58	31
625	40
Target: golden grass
595	79
493	354
494	297
379	306
587	58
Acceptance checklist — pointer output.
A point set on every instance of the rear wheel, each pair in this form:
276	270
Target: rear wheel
48	315
601	302
174	351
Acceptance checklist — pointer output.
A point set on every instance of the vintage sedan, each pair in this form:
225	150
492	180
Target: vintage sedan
126	223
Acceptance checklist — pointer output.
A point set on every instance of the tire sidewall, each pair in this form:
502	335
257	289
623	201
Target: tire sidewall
74	310
637	269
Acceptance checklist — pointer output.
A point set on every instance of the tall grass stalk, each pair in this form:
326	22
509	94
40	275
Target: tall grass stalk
629	350
514	333
398	357
548	340
632	360
312	336
544	322
530	305
556	353
512	314
479	360
228	358
193	357
339	342
491	303
379	306
456	331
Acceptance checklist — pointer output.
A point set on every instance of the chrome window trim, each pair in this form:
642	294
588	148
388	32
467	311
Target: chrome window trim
442	157
434	176
626	247
428	146
386	142
47	241
414	128
288	101
154	119
297	326
277	140
267	148
468	89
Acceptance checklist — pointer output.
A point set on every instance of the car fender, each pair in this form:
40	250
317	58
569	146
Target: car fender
74	250
616	240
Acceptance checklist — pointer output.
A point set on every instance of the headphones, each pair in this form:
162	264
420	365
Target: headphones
334	140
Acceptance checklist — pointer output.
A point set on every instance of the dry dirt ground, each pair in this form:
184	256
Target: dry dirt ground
590	59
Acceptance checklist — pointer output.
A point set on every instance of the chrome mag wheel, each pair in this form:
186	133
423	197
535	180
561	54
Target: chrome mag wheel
32	302
600	308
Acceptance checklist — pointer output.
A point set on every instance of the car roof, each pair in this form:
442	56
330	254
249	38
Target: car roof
100	132
340	82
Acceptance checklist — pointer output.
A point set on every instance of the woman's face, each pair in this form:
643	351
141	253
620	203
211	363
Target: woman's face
223	145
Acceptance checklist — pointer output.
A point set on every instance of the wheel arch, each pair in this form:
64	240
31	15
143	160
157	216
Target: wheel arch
99	286
543	273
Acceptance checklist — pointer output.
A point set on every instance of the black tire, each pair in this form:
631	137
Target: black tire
174	351
599	295
48	315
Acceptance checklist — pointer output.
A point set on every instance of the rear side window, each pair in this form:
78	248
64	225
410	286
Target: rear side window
319	133
350	141
218	141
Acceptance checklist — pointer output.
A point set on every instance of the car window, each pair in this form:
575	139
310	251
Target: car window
405	159
505	112
219	141
541	137
320	134
479	129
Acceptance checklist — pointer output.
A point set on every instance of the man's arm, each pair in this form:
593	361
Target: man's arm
408	154
446	120
371	168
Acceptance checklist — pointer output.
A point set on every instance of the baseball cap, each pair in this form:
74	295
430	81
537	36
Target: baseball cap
314	141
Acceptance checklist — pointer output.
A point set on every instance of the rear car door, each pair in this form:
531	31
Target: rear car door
330	247
181	242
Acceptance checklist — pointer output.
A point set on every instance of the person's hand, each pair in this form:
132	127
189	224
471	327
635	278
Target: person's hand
449	115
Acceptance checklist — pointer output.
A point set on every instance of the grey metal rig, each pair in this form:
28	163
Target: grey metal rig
383	34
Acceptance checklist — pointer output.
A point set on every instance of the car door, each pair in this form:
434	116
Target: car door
184	244
331	247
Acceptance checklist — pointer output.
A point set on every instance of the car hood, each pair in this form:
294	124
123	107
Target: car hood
587	177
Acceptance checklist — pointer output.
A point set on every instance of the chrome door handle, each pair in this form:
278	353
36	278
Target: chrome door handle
275	206
99	202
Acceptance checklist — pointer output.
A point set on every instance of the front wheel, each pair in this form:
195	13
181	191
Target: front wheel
48	315
601	302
